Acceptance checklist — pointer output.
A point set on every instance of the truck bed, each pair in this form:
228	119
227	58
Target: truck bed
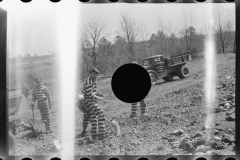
177	60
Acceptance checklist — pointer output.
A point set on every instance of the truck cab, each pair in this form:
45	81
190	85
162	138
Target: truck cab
155	63
166	68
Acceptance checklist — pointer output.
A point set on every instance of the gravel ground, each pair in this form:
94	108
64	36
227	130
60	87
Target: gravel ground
176	125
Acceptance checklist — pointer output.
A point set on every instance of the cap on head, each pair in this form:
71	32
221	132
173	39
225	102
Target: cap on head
38	80
94	70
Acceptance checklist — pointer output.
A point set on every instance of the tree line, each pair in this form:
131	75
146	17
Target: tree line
28	58
133	44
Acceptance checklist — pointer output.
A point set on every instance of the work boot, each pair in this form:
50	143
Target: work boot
48	131
94	137
133	117
83	134
25	126
145	115
102	136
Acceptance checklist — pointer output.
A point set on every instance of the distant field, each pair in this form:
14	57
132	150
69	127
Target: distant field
18	76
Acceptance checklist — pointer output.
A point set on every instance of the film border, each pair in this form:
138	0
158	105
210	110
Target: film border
3	95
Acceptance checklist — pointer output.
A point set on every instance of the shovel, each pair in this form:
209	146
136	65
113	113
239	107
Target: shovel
32	128
115	125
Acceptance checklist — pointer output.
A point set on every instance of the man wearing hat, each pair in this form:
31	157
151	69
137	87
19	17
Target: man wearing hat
91	111
41	94
134	106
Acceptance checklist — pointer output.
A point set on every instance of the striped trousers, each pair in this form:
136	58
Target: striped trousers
134	108
95	115
45	113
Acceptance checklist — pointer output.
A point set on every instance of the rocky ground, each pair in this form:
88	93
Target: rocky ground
176	126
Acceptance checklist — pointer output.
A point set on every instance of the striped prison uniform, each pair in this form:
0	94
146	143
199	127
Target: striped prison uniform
91	111
44	101
134	108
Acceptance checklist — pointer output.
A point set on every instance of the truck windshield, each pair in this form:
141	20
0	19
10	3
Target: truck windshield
147	62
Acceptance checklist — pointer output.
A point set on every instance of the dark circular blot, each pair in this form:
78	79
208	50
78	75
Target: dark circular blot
230	158
186	1
84	0
142	1
131	83
113	158
172	158
26	158
55	158
113	1
26	1
171	0
55	1
142	158
201	158
201	0
230	0
84	158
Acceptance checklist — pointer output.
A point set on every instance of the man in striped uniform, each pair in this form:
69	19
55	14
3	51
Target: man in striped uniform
134	106
41	94
91	111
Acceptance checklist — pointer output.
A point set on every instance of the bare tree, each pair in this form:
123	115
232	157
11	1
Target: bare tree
172	37
91	35
144	35
104	49
129	32
162	36
185	26
188	20
121	54
231	28
191	30
219	26
223	27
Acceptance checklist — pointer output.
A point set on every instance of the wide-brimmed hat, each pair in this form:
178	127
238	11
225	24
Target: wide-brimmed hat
94	70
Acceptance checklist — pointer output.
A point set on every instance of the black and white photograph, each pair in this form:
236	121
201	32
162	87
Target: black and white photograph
61	58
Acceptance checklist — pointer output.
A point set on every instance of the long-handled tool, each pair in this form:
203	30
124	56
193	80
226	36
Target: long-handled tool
115	125
32	107
33	116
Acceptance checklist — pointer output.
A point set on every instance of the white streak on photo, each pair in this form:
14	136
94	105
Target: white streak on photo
68	16
210	70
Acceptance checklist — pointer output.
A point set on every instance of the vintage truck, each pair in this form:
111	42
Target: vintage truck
166	68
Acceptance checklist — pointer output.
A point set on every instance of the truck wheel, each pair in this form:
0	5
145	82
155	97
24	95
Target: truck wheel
183	72
11	142
168	78
153	78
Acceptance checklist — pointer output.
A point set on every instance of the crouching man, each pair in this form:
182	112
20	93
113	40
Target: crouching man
91	111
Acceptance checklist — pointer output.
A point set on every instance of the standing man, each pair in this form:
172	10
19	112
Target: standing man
134	106
41	94
91	111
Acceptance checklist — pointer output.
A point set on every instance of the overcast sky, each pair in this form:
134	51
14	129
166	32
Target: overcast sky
32	26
